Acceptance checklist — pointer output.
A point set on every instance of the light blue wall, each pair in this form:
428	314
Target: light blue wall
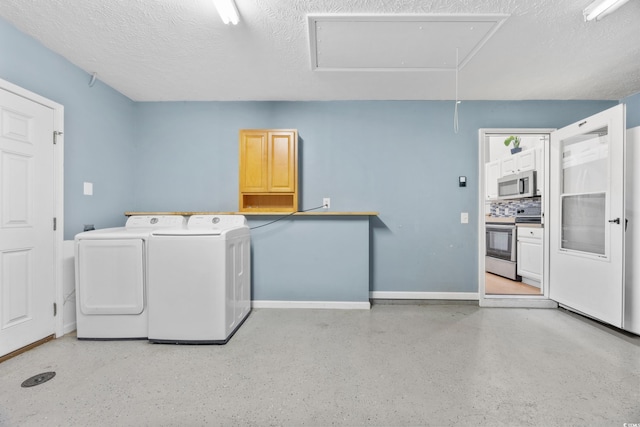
400	158
310	259
633	110
187	153
98	129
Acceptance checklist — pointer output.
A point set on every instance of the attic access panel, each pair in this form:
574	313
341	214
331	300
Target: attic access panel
397	42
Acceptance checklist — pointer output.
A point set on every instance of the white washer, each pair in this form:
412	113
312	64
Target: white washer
200	280
111	276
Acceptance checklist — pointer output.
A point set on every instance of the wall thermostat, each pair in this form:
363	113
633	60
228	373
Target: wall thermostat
462	181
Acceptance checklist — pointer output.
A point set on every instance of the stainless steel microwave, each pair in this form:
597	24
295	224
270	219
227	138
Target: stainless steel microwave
517	186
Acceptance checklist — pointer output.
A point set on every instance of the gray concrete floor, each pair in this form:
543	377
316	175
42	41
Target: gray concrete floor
393	365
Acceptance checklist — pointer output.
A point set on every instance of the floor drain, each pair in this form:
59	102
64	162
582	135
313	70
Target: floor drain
38	379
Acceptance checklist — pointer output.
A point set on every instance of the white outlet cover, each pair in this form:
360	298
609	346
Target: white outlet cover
464	217
88	188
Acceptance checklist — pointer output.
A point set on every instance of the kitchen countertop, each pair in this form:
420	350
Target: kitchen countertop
504	219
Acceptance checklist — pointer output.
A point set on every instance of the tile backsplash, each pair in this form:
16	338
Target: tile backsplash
508	208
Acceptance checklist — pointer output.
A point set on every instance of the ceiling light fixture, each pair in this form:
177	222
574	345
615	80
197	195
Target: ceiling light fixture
601	8
228	11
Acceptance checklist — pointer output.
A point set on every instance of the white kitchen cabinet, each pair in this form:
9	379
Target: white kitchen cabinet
508	165
530	253
526	160
492	173
519	162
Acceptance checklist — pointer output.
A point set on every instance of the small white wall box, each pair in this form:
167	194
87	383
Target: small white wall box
88	188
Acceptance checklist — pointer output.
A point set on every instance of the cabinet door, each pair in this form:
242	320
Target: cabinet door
509	166
492	173
530	253
253	161
530	259
526	161
282	161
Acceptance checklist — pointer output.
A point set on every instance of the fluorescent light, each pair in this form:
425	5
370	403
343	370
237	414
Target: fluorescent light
601	8
227	11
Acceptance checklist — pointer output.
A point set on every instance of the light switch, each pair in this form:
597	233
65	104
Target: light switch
462	181
88	188
464	217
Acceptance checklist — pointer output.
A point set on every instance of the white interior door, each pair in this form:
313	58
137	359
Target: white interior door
587	219
27	238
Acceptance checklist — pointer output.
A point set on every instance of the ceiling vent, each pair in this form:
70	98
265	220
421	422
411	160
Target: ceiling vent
397	42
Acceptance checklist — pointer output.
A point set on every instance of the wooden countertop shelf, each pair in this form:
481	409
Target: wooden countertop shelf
495	219
323	213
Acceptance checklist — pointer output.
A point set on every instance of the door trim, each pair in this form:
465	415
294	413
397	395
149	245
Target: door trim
541	301
58	176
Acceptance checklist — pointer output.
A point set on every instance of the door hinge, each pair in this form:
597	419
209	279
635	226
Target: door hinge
55	224
55	309
56	133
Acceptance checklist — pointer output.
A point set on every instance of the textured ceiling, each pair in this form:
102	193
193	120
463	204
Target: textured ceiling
157	50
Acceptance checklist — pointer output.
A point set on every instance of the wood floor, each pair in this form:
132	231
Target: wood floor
498	285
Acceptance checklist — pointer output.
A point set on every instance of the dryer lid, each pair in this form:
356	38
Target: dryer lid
187	232
219	222
156	221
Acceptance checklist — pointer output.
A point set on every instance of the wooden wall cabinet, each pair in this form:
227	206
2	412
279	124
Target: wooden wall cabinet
268	170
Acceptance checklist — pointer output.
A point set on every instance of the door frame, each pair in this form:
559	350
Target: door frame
532	301
58	176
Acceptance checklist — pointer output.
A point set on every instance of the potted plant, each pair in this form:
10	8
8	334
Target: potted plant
516	144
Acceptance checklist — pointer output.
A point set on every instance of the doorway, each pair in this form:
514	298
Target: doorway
513	193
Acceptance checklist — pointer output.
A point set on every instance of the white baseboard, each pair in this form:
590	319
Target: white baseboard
341	305
469	296
69	328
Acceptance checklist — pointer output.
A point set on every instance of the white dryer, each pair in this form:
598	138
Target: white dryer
199	280
111	276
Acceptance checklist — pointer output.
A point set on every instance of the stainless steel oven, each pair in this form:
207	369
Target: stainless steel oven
501	250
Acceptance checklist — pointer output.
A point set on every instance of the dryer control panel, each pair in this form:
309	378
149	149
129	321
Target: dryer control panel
222	222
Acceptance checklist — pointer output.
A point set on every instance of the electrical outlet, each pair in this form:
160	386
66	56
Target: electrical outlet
326	202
